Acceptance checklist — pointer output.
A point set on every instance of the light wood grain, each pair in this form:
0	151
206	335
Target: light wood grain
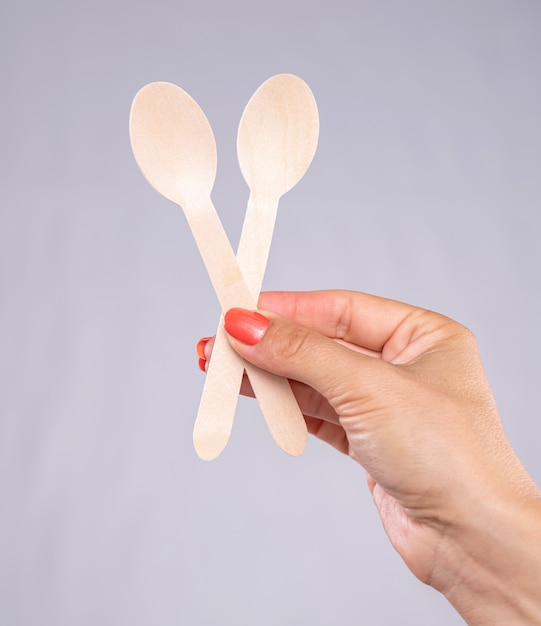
174	147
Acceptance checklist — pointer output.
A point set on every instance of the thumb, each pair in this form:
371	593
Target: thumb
283	347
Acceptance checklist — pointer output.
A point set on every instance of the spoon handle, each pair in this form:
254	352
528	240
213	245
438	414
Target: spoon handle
217	408
224	375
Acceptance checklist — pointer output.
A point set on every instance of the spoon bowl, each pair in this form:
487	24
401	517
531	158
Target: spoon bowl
173	142
278	135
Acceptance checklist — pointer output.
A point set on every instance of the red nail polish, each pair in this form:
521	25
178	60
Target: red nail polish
203	365
200	348
246	326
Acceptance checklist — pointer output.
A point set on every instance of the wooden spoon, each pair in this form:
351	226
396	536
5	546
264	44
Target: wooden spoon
276	142
174	146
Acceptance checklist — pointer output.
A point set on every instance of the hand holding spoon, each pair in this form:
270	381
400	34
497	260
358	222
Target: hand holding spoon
276	142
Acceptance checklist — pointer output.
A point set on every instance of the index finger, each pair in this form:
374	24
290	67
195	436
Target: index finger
358	318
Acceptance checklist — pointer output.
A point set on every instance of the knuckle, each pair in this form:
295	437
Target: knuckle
464	335
455	330
290	343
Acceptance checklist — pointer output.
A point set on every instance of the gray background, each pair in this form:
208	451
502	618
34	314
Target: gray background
425	188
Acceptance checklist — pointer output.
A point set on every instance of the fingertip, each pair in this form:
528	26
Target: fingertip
204	347
200	348
248	327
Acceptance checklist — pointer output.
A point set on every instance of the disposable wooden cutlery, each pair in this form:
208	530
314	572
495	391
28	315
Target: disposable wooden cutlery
174	147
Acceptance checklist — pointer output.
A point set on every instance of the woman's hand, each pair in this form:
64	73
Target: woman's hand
402	391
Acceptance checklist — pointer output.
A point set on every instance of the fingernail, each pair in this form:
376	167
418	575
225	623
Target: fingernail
246	326
203	365
200	348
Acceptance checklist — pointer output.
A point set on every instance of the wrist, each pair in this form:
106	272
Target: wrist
488	566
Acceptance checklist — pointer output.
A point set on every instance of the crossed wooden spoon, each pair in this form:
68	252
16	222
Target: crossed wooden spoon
174	146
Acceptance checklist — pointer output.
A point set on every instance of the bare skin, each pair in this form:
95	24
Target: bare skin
402	391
